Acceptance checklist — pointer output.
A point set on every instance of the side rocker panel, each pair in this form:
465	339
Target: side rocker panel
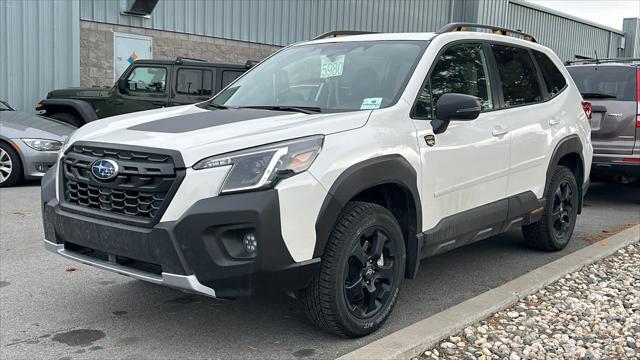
388	169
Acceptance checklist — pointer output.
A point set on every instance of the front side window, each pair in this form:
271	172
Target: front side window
553	78
328	77
147	80
460	69
518	75
194	82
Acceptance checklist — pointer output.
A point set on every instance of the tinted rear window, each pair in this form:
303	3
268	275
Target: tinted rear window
618	81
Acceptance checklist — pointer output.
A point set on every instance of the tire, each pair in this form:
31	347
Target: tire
10	166
354	239
68	118
554	230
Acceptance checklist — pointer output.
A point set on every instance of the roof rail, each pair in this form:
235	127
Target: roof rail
601	61
180	59
462	26
338	33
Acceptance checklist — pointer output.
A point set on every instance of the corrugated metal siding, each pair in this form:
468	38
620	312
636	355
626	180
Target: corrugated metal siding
39	48
631	28
567	37
277	22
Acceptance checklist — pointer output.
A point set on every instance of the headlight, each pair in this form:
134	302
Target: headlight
263	166
43	144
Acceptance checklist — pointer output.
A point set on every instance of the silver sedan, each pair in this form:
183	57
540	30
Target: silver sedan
29	144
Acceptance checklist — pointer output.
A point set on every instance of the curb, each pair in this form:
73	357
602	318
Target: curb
414	339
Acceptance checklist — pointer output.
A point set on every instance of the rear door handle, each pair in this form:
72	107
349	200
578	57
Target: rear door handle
500	130
554	121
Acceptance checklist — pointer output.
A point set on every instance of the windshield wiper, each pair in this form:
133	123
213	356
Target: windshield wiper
300	109
594	95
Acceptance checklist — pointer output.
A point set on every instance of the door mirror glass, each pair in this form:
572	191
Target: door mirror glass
452	106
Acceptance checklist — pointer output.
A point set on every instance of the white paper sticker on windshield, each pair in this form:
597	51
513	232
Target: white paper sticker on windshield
331	66
371	103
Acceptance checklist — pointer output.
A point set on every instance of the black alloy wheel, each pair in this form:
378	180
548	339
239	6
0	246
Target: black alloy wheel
369	274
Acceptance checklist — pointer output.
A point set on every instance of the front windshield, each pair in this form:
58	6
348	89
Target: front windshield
339	76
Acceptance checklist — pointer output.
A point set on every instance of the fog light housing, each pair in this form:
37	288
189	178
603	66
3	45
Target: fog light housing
250	243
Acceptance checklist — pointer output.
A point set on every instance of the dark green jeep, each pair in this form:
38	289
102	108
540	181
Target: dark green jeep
146	84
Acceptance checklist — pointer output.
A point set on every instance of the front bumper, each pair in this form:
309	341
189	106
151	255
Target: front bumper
191	253
606	165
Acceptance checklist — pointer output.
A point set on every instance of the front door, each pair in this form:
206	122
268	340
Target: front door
467	166
146	89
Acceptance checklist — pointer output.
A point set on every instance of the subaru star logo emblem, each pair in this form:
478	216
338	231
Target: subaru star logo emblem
104	169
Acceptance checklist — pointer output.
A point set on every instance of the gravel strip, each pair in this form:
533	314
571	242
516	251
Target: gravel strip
593	313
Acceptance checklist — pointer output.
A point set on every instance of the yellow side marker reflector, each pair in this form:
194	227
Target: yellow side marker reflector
14	145
537	211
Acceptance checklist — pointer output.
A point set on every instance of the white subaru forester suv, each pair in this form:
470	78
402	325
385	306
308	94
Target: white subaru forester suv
330	170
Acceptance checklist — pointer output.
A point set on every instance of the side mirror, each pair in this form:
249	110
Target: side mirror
452	106
123	84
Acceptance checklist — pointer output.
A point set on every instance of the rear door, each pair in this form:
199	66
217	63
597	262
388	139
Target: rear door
193	84
611	89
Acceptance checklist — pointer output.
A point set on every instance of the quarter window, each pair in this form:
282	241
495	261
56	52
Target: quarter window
147	80
553	78
195	82
460	69
518	75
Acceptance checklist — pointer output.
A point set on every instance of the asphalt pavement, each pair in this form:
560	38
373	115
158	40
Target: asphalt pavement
51	307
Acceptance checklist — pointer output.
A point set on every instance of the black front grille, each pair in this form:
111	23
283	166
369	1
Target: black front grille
141	190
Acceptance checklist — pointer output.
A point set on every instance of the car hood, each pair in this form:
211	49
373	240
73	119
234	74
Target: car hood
78	92
197	133
15	124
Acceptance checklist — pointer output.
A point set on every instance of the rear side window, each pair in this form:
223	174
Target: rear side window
460	69
195	82
605	81
553	78
228	76
518	75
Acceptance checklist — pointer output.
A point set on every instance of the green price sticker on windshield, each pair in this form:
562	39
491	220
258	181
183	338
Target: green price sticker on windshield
331	66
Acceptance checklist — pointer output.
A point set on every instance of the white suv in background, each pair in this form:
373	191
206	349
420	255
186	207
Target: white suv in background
330	170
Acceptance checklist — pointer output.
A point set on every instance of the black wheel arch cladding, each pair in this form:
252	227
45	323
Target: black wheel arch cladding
85	111
388	170
569	149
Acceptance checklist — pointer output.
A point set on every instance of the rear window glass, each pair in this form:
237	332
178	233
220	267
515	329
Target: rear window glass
605	82
553	78
518	75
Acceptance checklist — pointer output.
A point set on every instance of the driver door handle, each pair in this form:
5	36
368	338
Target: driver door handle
500	130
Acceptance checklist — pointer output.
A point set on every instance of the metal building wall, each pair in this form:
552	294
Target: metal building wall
631	28
277	22
39	49
566	35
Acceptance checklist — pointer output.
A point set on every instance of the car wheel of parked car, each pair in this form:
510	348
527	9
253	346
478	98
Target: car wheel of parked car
10	166
361	272
68	118
554	230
